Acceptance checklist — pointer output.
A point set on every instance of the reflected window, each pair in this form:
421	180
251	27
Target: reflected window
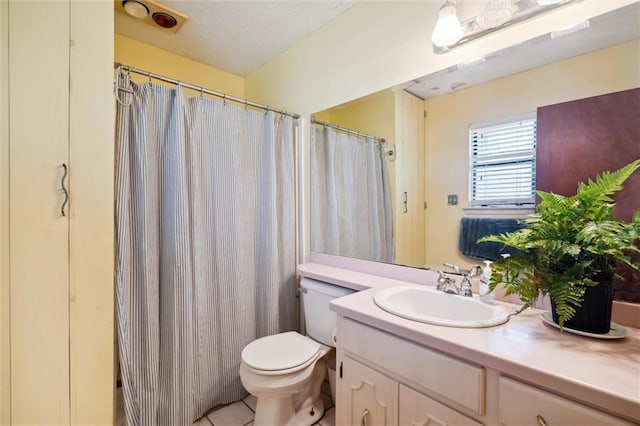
503	163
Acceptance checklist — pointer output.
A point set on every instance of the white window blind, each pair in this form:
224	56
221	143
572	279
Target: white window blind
503	163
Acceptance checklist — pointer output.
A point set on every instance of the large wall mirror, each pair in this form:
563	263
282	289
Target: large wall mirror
424	161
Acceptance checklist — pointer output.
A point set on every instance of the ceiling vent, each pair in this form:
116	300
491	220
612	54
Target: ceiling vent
152	13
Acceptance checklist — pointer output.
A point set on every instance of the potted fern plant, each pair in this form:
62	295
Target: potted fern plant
569	250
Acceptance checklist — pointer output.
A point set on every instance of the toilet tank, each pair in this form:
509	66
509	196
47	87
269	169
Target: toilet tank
320	321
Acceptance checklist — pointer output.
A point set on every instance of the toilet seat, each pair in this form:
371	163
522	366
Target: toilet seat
280	354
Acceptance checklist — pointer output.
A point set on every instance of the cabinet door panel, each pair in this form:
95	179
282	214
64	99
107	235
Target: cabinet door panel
420	410
408	229
522	405
368	398
418	365
38	145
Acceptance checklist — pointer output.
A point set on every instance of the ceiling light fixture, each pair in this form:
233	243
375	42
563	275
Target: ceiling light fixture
448	30
496	13
152	13
135	9
450	33
164	20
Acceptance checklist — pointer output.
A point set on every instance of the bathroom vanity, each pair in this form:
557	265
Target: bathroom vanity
394	371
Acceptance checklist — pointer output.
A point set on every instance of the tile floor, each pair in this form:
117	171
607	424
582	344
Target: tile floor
241	413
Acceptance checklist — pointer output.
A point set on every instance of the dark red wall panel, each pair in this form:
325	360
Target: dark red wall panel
579	139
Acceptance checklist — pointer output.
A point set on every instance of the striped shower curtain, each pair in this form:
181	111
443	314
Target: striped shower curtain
205	251
350	196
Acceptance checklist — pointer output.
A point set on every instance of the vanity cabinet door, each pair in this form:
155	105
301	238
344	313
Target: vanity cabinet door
417	409
524	405
367	398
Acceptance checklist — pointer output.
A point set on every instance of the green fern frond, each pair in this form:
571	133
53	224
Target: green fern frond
568	244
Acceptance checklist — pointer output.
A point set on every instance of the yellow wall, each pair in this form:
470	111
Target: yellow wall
609	70
373	114
4	217
150	58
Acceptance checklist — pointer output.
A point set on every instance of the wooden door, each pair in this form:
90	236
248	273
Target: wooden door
368	398
409	214
38	146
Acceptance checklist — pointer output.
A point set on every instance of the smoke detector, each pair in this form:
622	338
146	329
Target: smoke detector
152	13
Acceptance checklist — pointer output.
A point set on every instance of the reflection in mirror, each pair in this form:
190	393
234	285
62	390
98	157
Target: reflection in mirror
427	123
350	197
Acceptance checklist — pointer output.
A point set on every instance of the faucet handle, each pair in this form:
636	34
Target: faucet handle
475	270
456	269
465	287
442	280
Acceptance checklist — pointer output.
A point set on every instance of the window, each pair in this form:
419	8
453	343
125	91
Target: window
503	163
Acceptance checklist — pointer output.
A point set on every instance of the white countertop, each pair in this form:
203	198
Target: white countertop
604	373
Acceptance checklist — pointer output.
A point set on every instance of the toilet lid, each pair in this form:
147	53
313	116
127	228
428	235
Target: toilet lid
279	351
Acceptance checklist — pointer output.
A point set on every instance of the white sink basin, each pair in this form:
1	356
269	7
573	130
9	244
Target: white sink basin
426	304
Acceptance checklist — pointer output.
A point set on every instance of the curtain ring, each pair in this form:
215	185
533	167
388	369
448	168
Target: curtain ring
149	76
224	99
116	87
201	92
246	104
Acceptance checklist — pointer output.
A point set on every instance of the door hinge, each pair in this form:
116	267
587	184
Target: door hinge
341	370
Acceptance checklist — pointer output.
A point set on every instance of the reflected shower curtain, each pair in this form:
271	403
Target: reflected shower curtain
205	250
350	196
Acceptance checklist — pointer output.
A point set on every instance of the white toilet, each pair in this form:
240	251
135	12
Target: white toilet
285	371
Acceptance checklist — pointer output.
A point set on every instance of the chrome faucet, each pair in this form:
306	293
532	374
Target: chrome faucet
447	284
465	284
456	269
465	287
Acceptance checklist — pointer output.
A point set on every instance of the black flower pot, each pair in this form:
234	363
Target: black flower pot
594	316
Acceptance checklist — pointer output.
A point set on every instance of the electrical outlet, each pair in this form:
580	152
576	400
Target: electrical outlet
452	199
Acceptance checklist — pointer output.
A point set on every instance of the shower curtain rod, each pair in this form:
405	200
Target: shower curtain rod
344	129
200	89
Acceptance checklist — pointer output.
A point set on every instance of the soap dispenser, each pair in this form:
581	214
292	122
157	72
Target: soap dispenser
486	295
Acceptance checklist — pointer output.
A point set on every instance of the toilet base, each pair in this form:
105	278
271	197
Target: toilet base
283	401
309	415
279	411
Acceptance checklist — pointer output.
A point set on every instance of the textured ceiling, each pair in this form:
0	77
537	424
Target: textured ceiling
237	36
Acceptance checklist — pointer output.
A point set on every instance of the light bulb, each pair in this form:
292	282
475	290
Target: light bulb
135	9
448	29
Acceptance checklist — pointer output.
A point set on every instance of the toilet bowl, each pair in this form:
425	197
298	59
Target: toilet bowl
285	371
